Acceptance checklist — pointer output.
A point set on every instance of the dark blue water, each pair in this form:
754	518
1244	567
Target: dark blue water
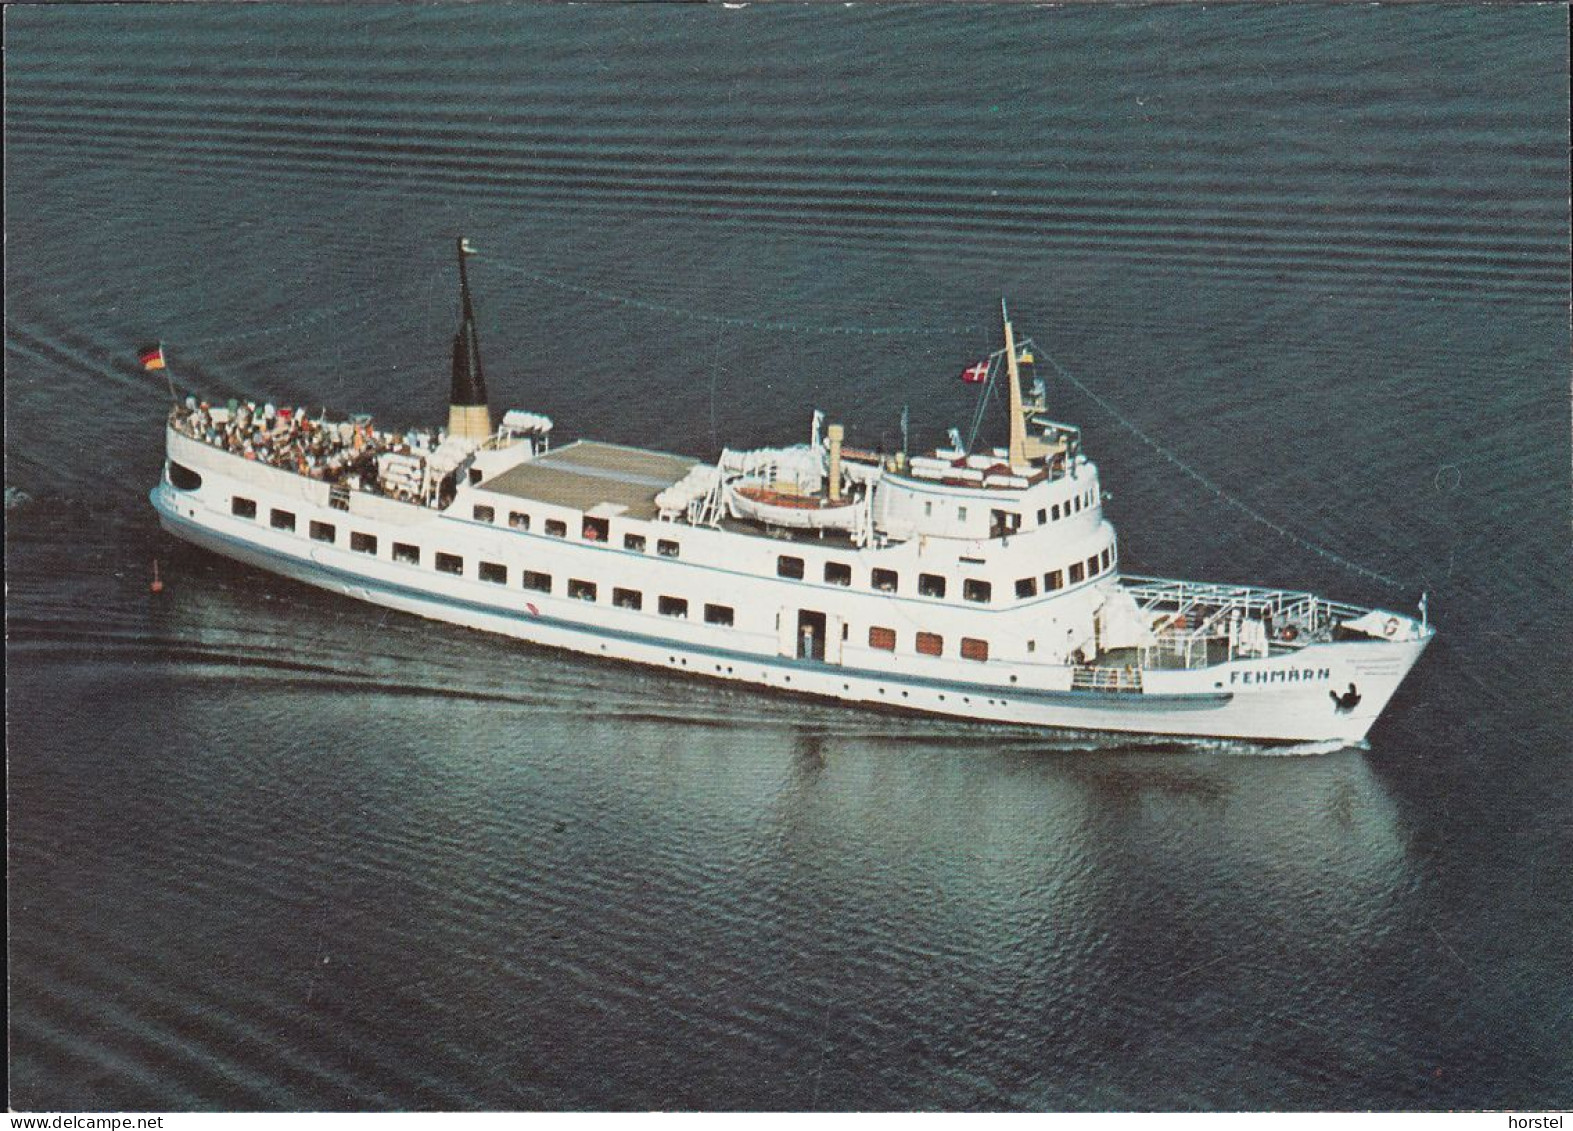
274	850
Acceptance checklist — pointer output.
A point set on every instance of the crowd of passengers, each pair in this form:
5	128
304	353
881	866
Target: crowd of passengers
336	452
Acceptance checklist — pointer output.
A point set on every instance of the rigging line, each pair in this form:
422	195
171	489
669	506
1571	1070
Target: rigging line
722	319
1245	508
294	323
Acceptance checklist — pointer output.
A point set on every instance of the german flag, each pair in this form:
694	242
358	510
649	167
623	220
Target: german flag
152	357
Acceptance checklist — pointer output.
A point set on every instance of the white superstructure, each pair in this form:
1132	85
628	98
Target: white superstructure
979	584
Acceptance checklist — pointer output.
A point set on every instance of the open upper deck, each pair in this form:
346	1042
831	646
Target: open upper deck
587	474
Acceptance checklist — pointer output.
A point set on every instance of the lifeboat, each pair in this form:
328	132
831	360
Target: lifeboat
751	499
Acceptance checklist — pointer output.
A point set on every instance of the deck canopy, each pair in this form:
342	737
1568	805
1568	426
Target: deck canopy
588	474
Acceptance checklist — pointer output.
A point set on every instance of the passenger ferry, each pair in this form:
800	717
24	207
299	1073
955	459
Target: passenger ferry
980	583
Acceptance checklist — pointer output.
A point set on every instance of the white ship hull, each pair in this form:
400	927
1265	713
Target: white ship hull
1280	698
976	584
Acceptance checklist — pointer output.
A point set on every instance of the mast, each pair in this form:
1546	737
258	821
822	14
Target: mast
469	416
1018	421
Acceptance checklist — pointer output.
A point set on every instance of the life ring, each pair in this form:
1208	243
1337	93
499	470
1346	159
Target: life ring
1391	627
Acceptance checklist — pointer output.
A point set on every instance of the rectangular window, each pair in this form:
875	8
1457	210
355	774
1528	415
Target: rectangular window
1104	558
1055	512
323	531
1054	579
556	528
581	590
1092	566
404	552
634	542
1078	571
243	508
931	644
789	567
363	543
974	590
838	573
672	607
1078	504
484	514
718	614
884	580
540	582
667	548
518	520
882	638
449	563
1026	587
281	520
495	572
974	649
928	508
961	514
1043	516
595	530
628	598
931	585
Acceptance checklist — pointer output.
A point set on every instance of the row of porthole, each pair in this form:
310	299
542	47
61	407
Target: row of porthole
682	661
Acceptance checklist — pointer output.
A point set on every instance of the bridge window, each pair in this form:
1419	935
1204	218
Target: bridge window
838	573
634	542
404	552
1054	579
540	582
1043	516
1055	511
1105	557
672	607
363	543
518	520
484	514
281	520
1092	566
974	649
884	580
556	528
495	572
931	644
243	508
931	585
1078	504
628	599
449	563
882	638
980	591
667	549
789	567
1026	587
323	531
595	530
183	478
581	590
718	614
1078	571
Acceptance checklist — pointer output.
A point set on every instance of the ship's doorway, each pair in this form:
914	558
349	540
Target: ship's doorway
811	633
1002	524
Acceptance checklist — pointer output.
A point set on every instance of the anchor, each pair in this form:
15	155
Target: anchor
1348	701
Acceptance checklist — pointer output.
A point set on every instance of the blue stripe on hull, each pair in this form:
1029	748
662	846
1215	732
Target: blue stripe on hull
304	569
